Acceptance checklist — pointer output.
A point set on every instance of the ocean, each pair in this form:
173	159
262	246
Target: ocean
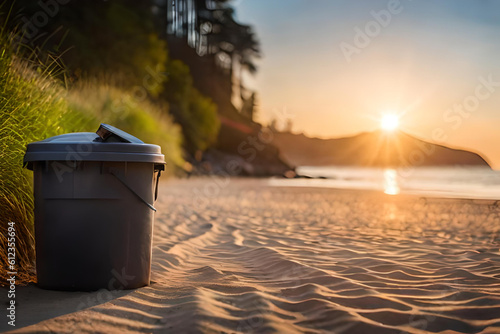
453	182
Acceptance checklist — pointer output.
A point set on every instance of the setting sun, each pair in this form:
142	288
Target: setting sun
389	122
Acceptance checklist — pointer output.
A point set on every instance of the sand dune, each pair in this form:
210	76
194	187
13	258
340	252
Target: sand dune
253	258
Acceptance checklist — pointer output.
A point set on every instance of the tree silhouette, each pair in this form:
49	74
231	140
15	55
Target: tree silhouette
209	28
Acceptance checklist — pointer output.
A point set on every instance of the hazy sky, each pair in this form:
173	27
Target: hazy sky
334	66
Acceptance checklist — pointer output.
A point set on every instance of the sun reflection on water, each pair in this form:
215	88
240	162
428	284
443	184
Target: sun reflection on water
391	186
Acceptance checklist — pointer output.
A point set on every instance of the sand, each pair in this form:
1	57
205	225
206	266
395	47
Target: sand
239	256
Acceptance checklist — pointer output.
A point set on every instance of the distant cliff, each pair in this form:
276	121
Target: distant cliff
371	149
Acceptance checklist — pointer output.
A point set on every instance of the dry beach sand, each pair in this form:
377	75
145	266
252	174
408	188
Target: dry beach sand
241	256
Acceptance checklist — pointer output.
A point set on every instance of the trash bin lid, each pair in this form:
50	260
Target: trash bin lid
111	144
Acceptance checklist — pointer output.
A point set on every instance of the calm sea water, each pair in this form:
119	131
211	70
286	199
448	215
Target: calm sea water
460	182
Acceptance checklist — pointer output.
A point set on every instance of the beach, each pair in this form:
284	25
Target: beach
241	256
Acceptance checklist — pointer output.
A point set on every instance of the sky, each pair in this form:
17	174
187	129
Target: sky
334	67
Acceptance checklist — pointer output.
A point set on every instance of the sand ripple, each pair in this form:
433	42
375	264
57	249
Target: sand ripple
260	259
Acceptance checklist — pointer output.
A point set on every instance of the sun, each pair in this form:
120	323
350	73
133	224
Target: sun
389	122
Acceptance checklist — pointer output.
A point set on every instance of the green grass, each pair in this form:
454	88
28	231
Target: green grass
99	102
34	106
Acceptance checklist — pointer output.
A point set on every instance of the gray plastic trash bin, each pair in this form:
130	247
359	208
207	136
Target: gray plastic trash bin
94	197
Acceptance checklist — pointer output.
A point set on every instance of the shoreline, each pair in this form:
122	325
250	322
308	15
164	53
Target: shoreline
456	182
416	193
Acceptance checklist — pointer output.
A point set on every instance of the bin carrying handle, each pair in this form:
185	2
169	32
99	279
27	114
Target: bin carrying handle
113	172
159	168
157	181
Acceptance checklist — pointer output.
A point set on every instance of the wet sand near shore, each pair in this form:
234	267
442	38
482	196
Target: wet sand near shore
240	256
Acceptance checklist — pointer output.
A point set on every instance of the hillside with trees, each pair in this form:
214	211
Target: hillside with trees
163	71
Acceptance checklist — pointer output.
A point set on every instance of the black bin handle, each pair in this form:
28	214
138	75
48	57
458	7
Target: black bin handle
114	172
